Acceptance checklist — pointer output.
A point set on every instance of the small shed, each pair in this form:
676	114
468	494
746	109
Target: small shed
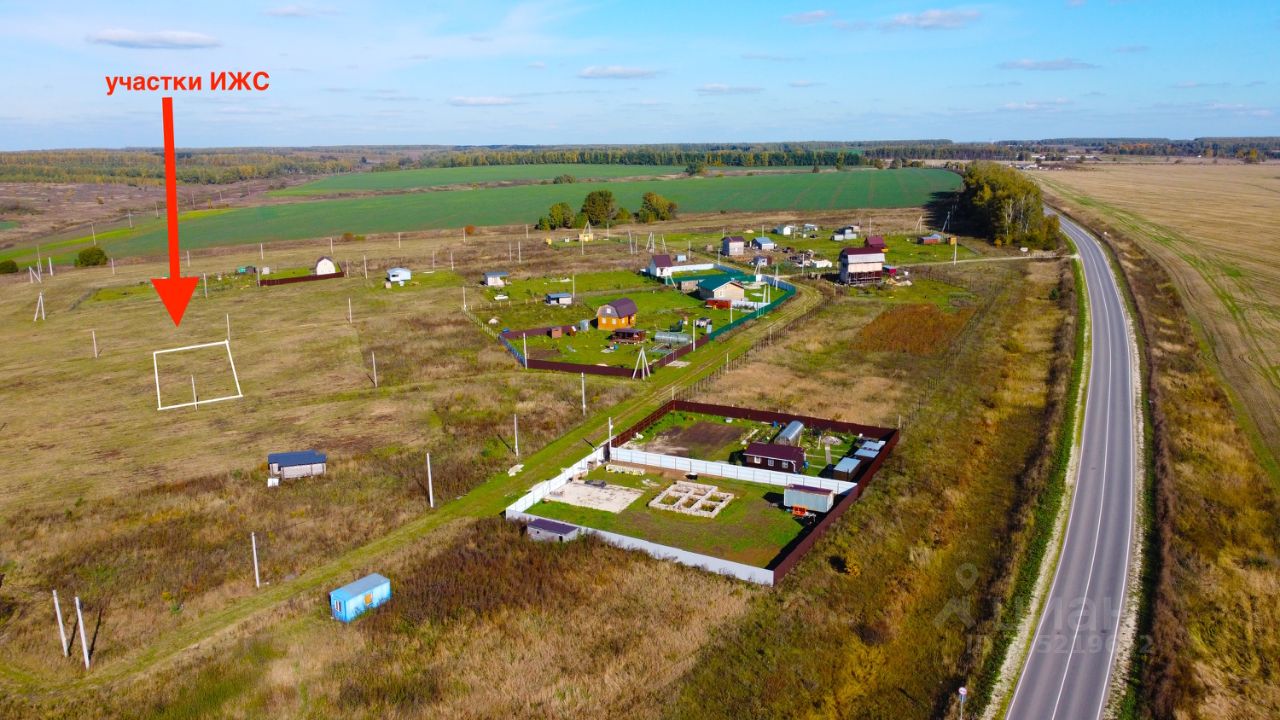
869	449
495	278
542	529
931	239
875	242
790	434
846	469
351	601
784	230
848	232
811	227
763	243
616	314
302	463
559	299
325	266
760	261
660	266
732	246
630	336
808	497
399	275
771	456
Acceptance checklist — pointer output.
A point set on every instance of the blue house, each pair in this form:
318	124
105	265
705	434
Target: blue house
350	601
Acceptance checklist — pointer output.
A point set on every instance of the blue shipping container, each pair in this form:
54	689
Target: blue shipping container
349	601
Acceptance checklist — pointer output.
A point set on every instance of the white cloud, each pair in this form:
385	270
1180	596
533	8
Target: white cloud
480	101
771	57
1130	49
537	65
1046	65
615	72
803	83
851	25
723	89
809	17
158	40
1194	84
933	20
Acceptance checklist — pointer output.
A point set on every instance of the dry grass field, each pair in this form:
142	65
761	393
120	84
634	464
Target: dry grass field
1213	229
1214	568
146	514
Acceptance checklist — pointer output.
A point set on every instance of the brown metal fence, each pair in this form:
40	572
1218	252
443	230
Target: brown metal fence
302	278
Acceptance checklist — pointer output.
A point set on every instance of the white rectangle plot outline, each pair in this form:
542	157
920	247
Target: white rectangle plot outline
155	363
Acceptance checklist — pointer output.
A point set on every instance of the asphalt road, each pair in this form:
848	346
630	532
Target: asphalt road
1068	670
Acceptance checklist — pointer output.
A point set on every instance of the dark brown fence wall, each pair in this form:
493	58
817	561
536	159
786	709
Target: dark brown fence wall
303	278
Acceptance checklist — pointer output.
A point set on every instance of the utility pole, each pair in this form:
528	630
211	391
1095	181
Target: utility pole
261	253
94	232
94	334
204	279
62	629
253	541
398	245
524	340
348	311
228	327
374	356
113	265
584	394
330	246
84	642
515	424
431	492
366	266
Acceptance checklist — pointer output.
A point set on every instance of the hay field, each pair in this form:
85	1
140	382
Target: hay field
1213	228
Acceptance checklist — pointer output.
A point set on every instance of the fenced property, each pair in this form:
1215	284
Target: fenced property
195	397
633	370
788	555
302	278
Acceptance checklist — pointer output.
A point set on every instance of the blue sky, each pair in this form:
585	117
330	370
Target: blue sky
563	71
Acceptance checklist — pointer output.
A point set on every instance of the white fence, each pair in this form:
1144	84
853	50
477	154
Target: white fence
542	489
750	573
726	470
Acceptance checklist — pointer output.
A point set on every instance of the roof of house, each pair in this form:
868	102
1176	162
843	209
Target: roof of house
558	296
764	240
875	240
733	238
496	273
859	251
810	489
628	331
622	306
662	261
300	457
777	452
714	283
323	258
552	526
397	270
359	587
932	236
847	465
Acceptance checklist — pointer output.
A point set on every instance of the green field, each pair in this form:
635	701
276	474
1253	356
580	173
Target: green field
524	204
751	529
536	288
436	177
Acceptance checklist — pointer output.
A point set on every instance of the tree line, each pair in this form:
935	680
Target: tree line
600	207
1007	207
146	167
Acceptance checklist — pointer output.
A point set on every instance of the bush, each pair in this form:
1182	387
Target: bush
8	266
91	257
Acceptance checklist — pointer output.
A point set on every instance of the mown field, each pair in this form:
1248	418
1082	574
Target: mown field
1213	229
524	204
1209	628
436	177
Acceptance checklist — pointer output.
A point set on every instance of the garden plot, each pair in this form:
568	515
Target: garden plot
692	498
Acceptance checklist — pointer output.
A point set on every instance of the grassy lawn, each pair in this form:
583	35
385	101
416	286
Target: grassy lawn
536	288
921	290
751	529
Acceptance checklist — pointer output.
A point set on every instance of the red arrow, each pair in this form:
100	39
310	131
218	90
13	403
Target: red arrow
174	291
